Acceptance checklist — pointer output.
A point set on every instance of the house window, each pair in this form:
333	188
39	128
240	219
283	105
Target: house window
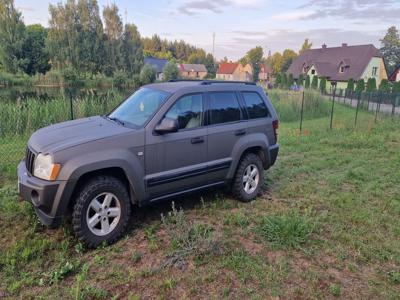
341	69
374	71
313	72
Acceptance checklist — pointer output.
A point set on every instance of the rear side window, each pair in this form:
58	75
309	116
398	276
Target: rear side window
224	108
255	105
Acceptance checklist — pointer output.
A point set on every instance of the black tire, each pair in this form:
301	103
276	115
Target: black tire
91	190
238	188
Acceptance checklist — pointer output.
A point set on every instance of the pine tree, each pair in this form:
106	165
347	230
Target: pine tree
371	85
360	87
307	84
384	86
322	85
314	83
350	85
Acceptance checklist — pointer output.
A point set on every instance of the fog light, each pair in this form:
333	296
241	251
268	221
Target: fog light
35	198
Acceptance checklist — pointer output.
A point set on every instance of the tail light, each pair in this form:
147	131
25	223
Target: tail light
275	126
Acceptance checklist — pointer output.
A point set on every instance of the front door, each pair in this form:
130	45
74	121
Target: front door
178	161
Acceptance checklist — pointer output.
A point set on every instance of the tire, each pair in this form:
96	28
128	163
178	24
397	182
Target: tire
98	202
243	191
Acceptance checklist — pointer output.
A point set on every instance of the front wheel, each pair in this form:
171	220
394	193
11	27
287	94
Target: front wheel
249	178
101	211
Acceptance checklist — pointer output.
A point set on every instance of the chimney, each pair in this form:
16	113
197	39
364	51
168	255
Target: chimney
324	46
344	45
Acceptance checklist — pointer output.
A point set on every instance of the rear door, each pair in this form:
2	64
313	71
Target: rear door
226	125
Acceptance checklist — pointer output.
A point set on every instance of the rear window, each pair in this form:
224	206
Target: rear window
255	105
224	108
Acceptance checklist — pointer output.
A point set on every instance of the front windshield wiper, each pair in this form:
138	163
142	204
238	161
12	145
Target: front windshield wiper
116	120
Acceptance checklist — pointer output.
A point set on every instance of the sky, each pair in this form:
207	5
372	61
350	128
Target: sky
243	24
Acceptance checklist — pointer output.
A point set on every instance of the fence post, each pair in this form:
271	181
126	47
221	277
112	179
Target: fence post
358	105
333	105
369	100
301	113
71	106
351	98
378	106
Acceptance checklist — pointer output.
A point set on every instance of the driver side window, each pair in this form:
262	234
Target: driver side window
188	110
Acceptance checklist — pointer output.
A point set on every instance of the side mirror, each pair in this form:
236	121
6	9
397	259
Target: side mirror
167	125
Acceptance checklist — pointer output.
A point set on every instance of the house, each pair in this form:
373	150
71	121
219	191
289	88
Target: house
158	64
265	73
192	71
395	77
339	64
234	71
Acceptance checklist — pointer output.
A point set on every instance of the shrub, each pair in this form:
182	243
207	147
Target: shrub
289	230
322	85
300	81
371	85
120	78
284	80
384	86
307	84
350	85
148	74
360	87
171	71
290	80
71	77
314	83
396	87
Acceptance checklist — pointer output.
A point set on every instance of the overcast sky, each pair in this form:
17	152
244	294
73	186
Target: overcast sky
242	24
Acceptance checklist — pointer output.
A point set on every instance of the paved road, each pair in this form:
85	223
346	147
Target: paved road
384	108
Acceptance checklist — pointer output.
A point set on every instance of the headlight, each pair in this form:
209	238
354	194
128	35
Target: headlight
44	167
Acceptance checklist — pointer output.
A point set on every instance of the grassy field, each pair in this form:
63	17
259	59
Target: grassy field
327	226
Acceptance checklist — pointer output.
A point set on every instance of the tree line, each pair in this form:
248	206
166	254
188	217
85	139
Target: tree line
82	41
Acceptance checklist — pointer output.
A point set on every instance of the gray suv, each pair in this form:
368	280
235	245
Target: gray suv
165	140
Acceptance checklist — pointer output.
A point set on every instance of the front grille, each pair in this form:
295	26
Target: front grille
29	160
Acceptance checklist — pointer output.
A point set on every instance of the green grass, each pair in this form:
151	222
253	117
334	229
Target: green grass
327	226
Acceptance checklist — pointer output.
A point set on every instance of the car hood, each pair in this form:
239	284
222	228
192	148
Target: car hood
68	134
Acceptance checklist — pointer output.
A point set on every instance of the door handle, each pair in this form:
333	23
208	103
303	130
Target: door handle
240	132
197	140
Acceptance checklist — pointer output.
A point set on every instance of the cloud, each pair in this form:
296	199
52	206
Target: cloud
293	15
25	8
383	10
194	7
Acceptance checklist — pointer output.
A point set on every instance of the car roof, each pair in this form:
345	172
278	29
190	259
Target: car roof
174	86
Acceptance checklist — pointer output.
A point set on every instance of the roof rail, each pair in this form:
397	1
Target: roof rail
209	82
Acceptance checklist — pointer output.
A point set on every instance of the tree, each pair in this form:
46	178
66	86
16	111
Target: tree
322	85
287	58
290	80
131	50
350	85
307	84
275	61
396	87
371	85
171	71
12	36
391	48
148	74
360	87
113	31
306	45
384	86
284	80
278	80
254	57
300	81
34	50
314	82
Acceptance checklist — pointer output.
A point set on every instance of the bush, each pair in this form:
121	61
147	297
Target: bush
171	71
384	86
120	78
322	85
314	83
290	80
350	85
71	76
396	87
289	230
360	86
308	81
371	85
148	74
301	80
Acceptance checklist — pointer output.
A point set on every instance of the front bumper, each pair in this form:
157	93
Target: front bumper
45	196
273	154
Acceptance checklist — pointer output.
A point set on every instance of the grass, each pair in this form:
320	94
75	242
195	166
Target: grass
327	226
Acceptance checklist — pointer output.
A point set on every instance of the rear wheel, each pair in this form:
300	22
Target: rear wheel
101	211
249	178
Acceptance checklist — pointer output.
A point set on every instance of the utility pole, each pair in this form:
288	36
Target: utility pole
213	49
126	16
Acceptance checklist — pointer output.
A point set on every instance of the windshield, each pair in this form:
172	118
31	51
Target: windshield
139	107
